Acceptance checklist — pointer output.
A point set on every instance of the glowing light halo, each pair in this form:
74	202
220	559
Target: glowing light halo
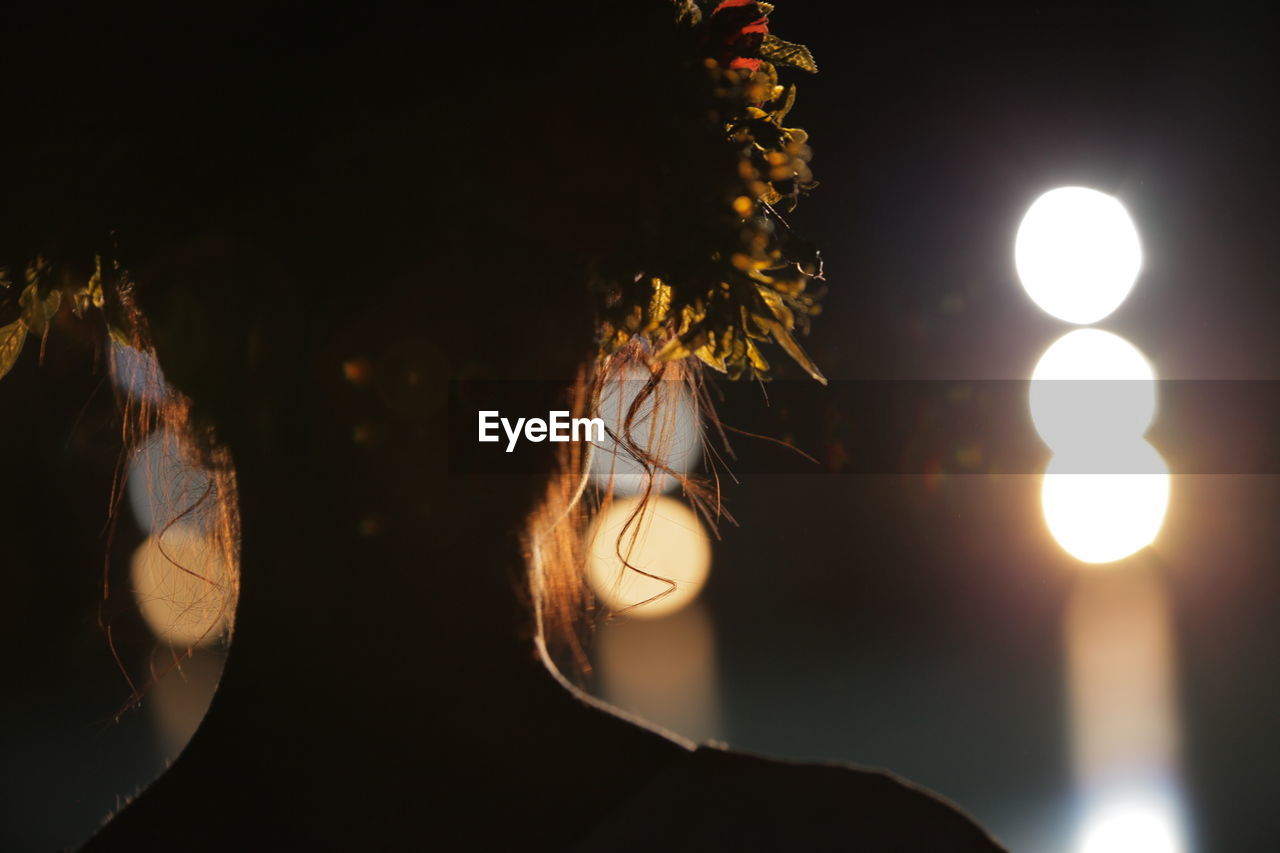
670	543
1101	517
182	586
1077	254
1140	825
163	484
1121	679
1091	388
667	425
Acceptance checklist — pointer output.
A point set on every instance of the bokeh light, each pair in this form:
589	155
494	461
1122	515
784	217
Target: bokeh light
1124	724
180	698
666	541
1120	665
137	373
1141	826
162	484
1104	516
182	585
663	670
1090	389
666	425
1077	254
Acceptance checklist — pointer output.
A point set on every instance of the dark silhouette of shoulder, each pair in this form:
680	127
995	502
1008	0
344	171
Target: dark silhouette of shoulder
714	799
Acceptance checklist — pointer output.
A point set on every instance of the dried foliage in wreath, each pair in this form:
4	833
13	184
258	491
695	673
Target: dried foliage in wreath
734	276
716	274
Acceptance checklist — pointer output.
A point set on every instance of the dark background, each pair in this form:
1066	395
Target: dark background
886	621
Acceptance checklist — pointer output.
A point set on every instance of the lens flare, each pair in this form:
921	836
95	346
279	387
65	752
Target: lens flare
1077	254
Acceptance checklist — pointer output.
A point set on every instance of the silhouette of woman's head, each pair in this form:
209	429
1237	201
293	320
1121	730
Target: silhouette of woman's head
316	225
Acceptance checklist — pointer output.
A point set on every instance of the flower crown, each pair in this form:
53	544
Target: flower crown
714	279
747	282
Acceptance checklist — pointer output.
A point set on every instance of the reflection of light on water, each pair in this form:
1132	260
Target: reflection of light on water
1106	490
1077	253
1123	719
667	541
182	586
663	670
666	425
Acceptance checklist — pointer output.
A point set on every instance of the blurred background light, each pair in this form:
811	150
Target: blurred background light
1077	254
1124	722
182	586
137	373
1140	826
1103	516
663	670
664	544
163	485
180	698
666	425
1091	388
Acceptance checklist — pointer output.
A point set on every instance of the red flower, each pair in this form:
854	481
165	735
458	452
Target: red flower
736	30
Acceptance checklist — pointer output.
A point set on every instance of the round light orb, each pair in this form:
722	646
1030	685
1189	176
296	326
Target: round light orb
666	425
182	586
669	543
1077	254
1132	827
163	485
137	373
1104	509
1091	389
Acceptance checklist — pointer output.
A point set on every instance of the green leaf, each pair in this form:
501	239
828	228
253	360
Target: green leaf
687	10
12	337
789	345
119	336
37	312
789	101
789	54
51	304
27	300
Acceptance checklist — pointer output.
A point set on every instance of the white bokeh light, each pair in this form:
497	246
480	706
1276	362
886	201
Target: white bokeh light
1077	254
669	544
1103	510
666	425
164	486
1091	388
1138	826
